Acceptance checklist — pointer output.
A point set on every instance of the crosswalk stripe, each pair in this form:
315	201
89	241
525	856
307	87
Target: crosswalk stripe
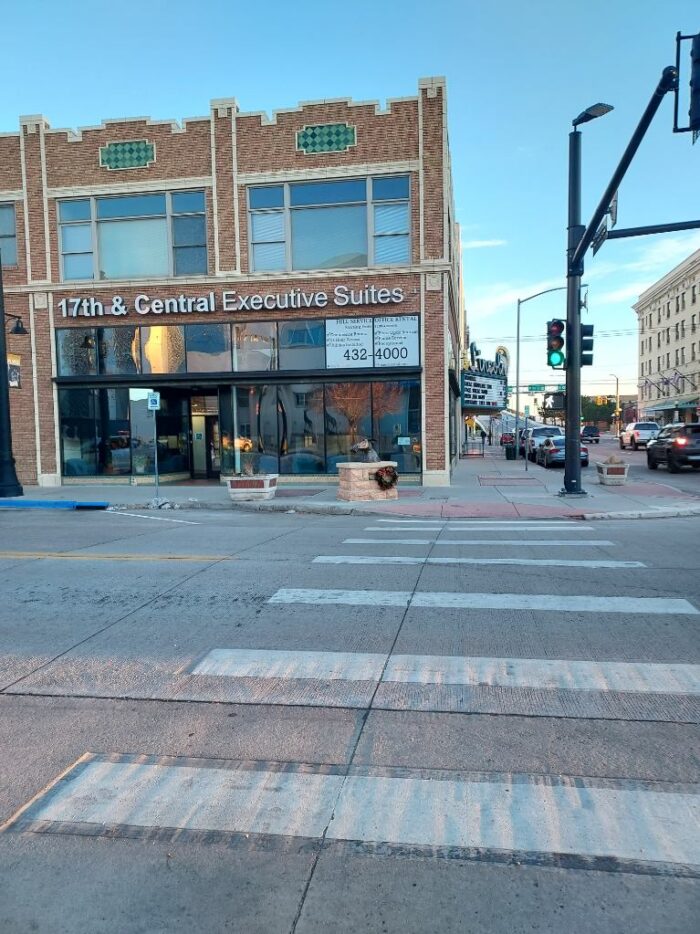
535	673
523	562
638	822
563	603
485	523
471	527
549	543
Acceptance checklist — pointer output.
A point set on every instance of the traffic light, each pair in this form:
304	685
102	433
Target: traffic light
586	345
694	111
555	344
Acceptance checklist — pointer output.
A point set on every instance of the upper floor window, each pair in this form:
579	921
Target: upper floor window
134	236
8	235
330	224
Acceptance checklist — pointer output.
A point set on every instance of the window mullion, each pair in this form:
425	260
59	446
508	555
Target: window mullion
93	235
287	228
169	233
370	223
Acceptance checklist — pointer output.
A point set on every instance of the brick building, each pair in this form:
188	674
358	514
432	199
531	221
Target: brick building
668	315
287	285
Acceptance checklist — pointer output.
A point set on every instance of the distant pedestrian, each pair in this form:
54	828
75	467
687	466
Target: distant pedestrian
483	439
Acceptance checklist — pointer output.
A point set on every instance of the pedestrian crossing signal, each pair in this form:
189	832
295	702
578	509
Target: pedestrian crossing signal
556	357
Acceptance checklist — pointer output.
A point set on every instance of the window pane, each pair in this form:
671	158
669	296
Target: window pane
396	420
7	220
328	192
255	441
133	248
301	435
269	197
348	418
302	345
77	238
76	352
388	189
78	440
8	249
268	256
118	350
268	228
163	349
187	202
391	249
208	348
74	210
131	206
255	346
329	238
391	218
78	266
113	431
189	231
190	260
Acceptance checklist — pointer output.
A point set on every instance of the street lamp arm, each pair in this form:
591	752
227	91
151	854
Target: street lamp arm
558	288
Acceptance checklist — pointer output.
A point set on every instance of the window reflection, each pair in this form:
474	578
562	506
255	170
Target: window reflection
301	429
255	442
95	432
118	350
163	349
208	348
255	346
396	423
348	418
302	345
76	352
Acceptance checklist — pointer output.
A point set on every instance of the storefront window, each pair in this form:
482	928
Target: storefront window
208	348
301	429
76	352
348	418
396	423
118	351
95	432
255	346
255	437
302	345
172	426
163	349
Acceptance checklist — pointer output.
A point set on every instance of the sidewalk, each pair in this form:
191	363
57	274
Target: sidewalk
482	487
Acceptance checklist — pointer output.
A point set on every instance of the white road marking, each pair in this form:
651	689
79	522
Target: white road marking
480	526
487	601
527	562
485	523
263	663
550	543
514	813
533	673
136	515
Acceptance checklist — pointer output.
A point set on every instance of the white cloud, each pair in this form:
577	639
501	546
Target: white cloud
624	294
482	244
504	295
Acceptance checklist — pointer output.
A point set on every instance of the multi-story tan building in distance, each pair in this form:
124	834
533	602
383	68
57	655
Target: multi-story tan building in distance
288	284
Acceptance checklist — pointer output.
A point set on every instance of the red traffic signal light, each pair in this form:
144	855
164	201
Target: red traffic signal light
555	343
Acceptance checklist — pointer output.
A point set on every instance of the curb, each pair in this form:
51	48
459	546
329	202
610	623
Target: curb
663	512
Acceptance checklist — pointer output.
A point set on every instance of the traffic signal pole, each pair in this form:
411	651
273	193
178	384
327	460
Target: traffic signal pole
572	431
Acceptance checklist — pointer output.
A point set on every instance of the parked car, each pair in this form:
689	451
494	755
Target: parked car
551	452
507	438
638	434
590	433
676	446
537	436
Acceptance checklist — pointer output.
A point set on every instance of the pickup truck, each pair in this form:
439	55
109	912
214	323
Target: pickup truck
637	434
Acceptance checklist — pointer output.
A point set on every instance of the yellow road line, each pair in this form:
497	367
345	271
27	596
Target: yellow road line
94	556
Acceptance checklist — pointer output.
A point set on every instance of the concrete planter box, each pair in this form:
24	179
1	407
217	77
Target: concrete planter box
357	481
245	489
612	474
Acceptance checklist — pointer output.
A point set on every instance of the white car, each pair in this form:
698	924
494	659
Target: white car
537	436
636	434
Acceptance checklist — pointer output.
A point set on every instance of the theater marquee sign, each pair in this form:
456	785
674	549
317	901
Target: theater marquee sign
342	296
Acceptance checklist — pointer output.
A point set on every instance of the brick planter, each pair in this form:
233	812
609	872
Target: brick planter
357	482
244	489
612	474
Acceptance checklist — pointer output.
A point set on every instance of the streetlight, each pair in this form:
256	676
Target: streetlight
9	484
576	231
617	401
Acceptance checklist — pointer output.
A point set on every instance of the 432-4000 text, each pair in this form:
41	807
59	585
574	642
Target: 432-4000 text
382	353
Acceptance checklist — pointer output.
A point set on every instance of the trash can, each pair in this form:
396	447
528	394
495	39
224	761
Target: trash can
511	452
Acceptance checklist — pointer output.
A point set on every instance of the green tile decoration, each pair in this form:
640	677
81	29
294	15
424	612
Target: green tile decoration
131	154
328	137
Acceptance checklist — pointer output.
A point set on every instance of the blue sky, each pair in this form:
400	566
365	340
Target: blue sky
517	74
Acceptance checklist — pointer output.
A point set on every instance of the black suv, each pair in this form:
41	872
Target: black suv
676	446
590	433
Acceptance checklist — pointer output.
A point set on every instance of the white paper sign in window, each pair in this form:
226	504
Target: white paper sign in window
396	341
349	343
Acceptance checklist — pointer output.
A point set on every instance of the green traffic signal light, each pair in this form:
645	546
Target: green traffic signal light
555	343
555	358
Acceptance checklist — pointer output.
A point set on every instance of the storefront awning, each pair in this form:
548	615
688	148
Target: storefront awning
669	405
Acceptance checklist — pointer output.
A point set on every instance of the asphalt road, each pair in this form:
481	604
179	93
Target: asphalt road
287	723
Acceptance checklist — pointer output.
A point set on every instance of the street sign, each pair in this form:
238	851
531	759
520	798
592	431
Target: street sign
554	402
612	210
527	411
538	387
601	235
153	402
561	387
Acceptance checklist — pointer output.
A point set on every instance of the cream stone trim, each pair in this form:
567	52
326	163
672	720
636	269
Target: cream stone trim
35	387
28	255
436	478
54	388
215	197
115	188
45	201
423	377
340	171
379	111
17	195
76	135
235	175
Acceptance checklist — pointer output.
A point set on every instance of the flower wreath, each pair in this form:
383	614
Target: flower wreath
386	477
